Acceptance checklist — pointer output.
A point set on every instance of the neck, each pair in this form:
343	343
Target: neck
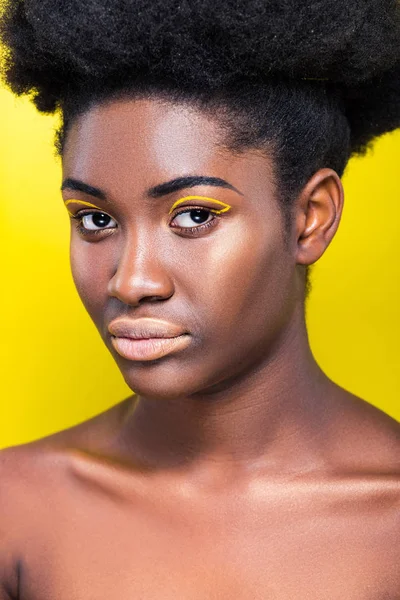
274	417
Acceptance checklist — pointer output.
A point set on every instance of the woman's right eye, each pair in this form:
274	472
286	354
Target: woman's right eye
95	221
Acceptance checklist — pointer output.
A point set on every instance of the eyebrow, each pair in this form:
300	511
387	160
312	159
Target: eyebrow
182	183
78	186
157	191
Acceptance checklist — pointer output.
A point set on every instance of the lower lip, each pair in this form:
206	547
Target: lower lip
149	349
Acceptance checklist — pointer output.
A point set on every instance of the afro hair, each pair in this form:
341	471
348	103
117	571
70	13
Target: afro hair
314	80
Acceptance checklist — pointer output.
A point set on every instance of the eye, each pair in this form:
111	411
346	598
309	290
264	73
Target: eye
189	217
96	221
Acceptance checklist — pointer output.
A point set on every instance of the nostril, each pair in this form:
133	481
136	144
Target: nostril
133	290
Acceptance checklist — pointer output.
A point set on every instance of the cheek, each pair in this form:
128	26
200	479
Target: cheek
244	300
90	269
247	278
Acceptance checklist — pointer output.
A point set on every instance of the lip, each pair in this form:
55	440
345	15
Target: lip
139	329
146	339
149	349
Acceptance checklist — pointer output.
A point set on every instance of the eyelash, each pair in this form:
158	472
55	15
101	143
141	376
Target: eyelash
86	232
82	230
201	227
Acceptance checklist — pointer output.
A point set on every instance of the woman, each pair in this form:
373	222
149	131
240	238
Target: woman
202	148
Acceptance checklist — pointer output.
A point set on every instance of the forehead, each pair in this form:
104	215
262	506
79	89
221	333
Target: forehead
131	145
152	131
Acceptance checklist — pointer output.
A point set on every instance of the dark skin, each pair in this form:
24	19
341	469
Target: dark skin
239	469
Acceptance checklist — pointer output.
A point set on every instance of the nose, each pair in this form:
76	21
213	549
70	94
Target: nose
139	275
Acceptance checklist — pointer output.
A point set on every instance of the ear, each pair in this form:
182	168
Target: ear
318	210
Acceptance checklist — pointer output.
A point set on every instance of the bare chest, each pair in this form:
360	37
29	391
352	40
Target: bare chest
112	549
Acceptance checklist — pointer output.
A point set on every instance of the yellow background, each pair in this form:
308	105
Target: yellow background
56	371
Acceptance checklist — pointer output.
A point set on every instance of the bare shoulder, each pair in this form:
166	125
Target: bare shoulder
92	434
365	451
37	486
368	436
14	504
30	471
29	475
34	472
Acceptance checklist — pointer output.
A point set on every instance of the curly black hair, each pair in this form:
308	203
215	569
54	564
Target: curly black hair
312	81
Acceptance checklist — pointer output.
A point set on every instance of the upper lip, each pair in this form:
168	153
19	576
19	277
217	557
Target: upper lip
144	328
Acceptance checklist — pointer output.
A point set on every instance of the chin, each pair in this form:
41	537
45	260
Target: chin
160	379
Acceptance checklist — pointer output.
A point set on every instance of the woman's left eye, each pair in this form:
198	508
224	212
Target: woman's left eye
97	221
186	219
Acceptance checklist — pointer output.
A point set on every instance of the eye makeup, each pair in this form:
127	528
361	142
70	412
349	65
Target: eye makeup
225	208
79	202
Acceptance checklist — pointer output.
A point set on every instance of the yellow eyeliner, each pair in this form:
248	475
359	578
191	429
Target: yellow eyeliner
225	209
79	202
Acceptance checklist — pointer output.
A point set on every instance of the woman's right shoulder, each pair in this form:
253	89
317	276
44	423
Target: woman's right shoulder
23	464
32	471
33	468
21	472
22	476
32	477
16	468
29	476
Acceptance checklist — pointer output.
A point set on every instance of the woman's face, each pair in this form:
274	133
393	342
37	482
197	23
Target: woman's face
223	274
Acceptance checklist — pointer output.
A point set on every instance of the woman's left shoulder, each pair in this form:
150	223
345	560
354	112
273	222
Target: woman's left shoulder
364	441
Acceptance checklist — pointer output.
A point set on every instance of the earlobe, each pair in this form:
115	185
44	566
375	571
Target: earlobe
318	213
